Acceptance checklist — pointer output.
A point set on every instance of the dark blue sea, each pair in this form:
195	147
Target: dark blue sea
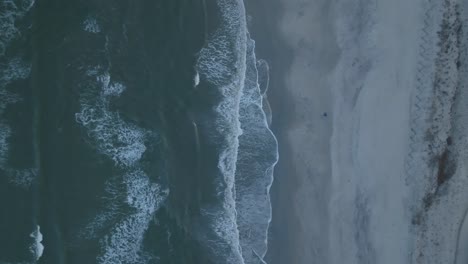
132	132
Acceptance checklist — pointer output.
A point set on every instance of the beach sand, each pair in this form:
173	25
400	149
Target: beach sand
298	40
354	97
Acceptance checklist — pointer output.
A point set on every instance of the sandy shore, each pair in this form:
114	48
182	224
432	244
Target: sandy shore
353	89
302	60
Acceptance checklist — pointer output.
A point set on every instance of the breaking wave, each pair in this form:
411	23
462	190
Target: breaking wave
124	144
249	149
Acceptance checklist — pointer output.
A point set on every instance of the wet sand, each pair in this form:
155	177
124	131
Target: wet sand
352	84
298	41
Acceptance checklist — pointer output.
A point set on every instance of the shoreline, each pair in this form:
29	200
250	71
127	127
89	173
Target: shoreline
349	93
263	25
300	98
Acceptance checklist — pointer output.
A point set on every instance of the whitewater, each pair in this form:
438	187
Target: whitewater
131	156
250	149
13	68
233	230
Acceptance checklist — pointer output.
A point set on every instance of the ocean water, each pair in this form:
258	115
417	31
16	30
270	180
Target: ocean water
132	132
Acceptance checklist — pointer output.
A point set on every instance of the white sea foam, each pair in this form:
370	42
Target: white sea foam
13	70
37	248
124	243
263	70
258	154
22	177
91	25
249	148
143	195
124	143
10	12
196	80
7	98
121	141
109	88
221	63
93	71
